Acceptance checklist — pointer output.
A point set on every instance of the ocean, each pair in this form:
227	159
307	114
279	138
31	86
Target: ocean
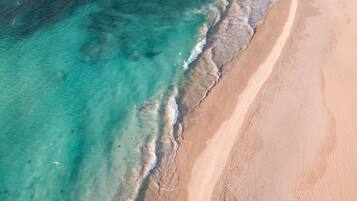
92	91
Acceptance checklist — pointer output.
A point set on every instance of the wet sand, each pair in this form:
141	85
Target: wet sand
209	166
280	124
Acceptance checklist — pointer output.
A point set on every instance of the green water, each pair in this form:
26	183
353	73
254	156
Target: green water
81	84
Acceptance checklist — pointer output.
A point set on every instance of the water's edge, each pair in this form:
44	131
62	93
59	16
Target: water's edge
225	35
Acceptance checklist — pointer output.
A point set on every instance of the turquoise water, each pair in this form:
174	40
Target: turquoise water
82	84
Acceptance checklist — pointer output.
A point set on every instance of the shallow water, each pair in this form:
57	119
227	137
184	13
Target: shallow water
229	28
82	89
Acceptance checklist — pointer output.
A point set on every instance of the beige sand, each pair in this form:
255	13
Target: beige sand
210	164
285	133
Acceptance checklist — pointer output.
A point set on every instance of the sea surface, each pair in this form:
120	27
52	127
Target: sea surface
90	88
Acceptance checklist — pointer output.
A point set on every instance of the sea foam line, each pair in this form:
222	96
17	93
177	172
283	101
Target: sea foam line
173	108
195	52
215	12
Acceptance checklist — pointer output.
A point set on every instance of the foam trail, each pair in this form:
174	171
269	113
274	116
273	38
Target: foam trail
153	163
173	108
195	52
152	158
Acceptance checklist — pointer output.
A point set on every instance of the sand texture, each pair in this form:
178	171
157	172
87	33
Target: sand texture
280	125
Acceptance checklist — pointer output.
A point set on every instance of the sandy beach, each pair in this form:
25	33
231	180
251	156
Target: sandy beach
280	123
208	167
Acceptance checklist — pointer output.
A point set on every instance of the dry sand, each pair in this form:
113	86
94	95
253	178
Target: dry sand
281	124
210	164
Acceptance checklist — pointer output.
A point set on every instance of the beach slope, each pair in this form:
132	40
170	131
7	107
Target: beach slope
279	125
210	164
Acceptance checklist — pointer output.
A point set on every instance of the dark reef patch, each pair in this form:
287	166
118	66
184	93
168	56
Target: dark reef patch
24	17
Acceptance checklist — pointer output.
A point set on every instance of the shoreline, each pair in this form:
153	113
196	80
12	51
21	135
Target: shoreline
286	133
242	68
208	71
296	140
210	163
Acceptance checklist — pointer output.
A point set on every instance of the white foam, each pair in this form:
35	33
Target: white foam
213	11
173	108
175	112
153	162
195	52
